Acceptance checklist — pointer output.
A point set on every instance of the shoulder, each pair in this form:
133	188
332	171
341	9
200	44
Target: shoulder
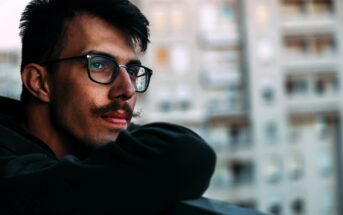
16	141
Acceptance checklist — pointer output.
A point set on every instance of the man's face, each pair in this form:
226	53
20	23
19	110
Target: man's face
81	108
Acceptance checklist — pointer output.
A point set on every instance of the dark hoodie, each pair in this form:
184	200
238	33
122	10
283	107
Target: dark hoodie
145	171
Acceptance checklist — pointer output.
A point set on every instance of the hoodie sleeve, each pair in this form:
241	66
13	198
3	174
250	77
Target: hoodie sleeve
175	151
144	171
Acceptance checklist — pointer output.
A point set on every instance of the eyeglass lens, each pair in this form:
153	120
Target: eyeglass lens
104	70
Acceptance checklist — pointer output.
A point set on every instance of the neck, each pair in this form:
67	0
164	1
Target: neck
38	122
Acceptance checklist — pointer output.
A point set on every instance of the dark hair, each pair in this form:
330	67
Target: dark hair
43	26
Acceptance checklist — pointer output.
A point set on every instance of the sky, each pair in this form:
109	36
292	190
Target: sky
10	12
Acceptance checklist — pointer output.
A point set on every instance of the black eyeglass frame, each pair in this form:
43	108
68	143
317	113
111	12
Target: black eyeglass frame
114	73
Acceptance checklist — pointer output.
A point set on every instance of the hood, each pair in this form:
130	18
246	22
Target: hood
10	107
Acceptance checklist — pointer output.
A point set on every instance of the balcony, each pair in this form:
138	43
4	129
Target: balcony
307	9
219	39
221	79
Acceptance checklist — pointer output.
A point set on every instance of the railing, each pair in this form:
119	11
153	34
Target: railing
204	206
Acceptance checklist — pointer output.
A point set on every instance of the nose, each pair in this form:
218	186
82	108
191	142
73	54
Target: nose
122	87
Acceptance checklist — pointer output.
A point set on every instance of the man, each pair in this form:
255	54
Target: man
68	146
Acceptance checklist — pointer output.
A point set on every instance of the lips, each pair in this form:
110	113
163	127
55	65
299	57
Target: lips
118	118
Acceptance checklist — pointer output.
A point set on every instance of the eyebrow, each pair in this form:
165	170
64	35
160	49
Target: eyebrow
131	62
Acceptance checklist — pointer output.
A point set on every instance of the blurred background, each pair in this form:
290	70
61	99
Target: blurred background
260	80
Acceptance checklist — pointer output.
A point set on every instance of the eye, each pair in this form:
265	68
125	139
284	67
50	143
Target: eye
97	65
100	63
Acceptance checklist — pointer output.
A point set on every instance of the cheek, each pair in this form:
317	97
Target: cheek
75	118
72	103
69	106
73	92
78	103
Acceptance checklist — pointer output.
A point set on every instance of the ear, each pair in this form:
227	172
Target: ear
34	78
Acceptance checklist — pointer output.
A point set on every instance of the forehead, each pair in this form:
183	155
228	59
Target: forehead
86	33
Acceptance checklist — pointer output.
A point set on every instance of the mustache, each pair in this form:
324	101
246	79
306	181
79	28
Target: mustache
115	106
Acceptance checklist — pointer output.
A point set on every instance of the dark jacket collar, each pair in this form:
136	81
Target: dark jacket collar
11	115
11	107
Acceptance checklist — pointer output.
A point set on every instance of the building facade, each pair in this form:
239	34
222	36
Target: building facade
260	80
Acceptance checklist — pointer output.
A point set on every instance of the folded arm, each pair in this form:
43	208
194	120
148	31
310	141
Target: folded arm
143	172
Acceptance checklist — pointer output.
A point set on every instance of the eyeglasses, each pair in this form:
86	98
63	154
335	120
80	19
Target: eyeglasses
103	69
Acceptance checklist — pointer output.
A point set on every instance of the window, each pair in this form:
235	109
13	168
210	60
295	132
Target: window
314	45
239	135
9	58
184	98
319	7
295	166
242	172
218	17
296	85
268	90
180	58
159	20
164	101
275	208
326	83
273	169
328	202
293	7
295	45
322	45
178	19
218	137
298	206
221	178
161	58
307	7
270	132
325	164
268	94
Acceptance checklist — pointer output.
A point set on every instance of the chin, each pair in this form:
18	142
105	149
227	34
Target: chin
105	139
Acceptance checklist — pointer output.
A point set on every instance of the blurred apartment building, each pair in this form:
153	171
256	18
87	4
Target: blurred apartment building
10	47
9	72
260	80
